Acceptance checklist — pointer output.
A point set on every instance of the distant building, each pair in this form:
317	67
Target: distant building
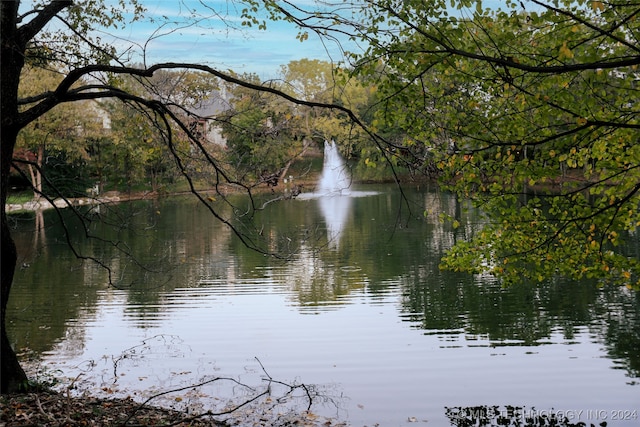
101	113
206	125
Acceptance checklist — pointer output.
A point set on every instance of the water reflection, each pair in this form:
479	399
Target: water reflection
335	210
317	285
384	316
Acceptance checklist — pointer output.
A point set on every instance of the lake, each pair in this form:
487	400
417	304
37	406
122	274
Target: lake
358	311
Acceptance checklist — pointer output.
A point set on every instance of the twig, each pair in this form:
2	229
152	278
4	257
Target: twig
291	387
143	404
49	416
266	392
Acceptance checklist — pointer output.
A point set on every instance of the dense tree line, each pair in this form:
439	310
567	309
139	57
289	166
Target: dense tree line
105	145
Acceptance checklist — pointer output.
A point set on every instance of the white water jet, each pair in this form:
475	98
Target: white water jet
333	193
335	178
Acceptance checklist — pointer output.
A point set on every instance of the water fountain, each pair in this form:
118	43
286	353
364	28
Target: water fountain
333	193
335	179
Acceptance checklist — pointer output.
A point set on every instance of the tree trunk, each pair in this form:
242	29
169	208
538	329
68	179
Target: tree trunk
13	46
13	376
38	177
32	174
12	53
35	172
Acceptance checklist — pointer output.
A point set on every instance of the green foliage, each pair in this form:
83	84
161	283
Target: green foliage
63	128
55	144
259	135
65	177
265	134
529	111
76	43
133	154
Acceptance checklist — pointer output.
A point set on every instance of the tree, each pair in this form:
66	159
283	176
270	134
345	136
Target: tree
265	134
61	133
322	81
260	134
132	148
93	70
529	110
17	40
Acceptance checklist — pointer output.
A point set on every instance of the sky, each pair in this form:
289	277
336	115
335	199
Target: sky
168	34
214	41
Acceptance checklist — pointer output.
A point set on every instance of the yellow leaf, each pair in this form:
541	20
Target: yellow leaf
565	52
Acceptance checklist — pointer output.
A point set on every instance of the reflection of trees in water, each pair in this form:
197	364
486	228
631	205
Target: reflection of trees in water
180	247
50	285
525	314
374	254
619	327
160	253
176	245
320	282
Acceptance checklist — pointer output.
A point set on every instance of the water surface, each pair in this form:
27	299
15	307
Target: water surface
361	310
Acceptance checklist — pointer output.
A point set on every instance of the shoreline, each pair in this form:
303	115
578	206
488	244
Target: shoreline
283	189
61	203
116	197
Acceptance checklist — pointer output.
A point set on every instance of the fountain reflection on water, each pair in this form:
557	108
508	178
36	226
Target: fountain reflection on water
334	193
